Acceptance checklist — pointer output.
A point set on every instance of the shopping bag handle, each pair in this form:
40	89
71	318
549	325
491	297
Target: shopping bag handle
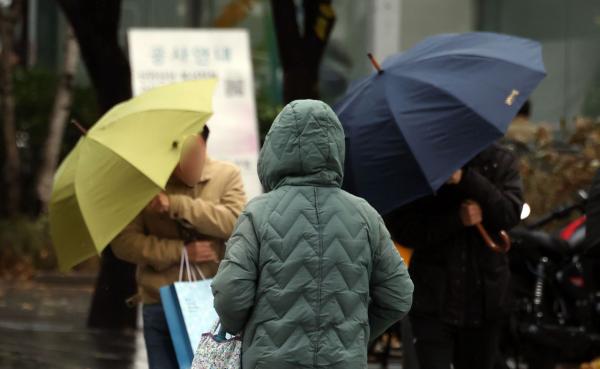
185	264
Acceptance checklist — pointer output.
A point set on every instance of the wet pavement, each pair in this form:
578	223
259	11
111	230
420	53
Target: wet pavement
42	325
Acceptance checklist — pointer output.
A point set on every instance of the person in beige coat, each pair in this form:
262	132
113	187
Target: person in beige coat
206	194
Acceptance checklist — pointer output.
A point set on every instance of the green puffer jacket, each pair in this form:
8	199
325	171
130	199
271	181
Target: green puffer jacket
310	273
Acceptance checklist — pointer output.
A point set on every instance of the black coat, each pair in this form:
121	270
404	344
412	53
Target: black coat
457	277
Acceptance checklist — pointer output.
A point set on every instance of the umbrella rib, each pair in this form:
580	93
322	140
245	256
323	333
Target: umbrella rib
435	57
343	102
91	137
448	93
411	149
126	160
76	192
112	121
408	144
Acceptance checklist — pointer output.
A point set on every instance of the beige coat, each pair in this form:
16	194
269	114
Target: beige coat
153	241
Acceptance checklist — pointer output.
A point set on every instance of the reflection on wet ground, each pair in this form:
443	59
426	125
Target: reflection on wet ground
42	325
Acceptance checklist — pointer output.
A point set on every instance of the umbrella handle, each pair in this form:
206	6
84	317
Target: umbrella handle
503	248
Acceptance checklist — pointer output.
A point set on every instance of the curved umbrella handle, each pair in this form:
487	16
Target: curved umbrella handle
502	248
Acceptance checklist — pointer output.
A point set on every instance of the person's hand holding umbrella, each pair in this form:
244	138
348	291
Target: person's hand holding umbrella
456	177
471	215
160	203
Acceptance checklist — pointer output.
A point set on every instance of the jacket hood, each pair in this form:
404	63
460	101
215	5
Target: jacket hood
305	146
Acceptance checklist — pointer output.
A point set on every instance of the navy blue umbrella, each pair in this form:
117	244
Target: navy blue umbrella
430	110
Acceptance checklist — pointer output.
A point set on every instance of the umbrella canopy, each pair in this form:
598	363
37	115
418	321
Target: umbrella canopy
431	110
120	164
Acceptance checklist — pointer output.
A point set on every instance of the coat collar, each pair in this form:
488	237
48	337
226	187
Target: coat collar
208	171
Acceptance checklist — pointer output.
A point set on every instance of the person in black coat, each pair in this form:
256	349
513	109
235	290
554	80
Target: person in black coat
461	286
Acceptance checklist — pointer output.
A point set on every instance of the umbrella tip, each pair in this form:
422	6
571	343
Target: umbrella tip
79	127
375	63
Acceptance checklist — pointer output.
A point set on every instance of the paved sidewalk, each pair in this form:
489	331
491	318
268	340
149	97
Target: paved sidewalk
42	325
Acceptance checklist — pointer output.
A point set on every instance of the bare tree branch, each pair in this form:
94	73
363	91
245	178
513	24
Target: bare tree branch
61	110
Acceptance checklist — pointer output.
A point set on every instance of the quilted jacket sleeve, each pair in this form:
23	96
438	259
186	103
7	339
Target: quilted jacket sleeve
391	287
234	286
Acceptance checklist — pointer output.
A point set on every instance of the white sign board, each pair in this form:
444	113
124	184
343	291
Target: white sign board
163	56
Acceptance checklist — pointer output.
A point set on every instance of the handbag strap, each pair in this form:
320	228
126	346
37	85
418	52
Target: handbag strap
221	335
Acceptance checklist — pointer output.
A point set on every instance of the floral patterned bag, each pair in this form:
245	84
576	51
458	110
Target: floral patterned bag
216	351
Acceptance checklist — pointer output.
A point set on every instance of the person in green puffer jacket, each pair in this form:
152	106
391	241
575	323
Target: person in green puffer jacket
310	274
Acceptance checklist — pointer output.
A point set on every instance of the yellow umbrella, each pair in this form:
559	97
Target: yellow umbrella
120	164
